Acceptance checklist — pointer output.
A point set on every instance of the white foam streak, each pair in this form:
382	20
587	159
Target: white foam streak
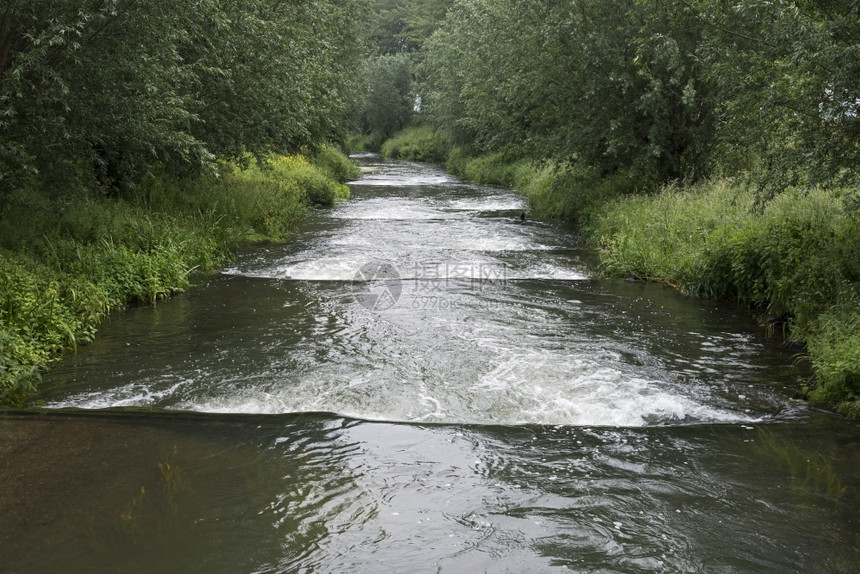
384	210
543	388
444	273
144	393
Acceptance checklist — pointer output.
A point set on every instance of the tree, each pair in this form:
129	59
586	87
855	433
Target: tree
390	99
98	84
113	88
405	25
790	75
613	84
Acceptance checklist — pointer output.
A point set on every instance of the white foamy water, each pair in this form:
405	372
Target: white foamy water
385	209
406	175
478	361
547	389
478	317
527	387
489	204
345	268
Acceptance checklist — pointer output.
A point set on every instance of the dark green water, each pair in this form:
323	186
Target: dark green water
422	382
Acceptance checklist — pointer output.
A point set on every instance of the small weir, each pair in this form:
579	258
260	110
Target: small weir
424	380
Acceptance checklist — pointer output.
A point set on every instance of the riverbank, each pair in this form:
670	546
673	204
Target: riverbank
69	259
795	260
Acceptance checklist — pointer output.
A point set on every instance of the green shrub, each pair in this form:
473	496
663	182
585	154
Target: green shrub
833	341
42	312
68	261
335	165
416	144
456	160
297	173
667	237
364	142
499	169
796	261
19	378
568	191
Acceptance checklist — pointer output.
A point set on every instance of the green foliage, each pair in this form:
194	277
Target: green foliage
65	264
335	165
401	28
363	142
790	78
498	168
111	90
569	191
665	237
390	96
834	348
298	174
656	92
416	144
404	25
457	159
614	85
501	168
40	315
797	260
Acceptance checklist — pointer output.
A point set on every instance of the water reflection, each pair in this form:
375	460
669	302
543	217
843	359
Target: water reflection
574	411
319	493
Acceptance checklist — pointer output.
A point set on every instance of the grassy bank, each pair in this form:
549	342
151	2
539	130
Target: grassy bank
795	261
417	144
554	190
69	258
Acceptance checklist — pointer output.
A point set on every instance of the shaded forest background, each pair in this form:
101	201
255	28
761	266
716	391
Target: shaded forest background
141	140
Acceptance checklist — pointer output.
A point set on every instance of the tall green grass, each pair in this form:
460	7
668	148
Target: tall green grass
67	260
335	164
555	190
570	191
501	168
416	144
796	261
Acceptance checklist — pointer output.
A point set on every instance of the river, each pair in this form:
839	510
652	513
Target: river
425	381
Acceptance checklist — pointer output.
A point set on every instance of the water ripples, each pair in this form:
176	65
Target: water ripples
486	319
536	421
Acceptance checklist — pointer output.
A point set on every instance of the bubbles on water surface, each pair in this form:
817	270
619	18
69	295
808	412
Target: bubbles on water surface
427	301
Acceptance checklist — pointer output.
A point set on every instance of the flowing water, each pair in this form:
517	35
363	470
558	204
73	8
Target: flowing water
423	381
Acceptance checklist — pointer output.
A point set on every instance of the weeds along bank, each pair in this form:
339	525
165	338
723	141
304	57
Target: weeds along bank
794	260
67	261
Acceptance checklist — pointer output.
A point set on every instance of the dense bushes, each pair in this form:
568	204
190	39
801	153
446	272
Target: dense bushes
416	144
65	264
832	341
113	89
795	260
335	165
